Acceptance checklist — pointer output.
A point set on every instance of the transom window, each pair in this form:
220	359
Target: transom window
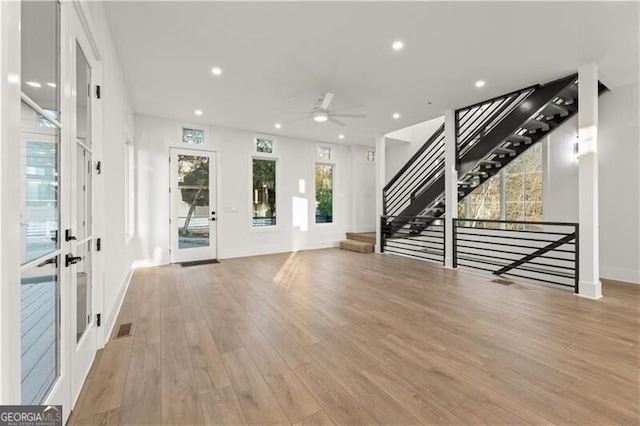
192	136
264	145
324	153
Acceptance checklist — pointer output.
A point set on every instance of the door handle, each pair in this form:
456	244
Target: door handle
70	259
68	236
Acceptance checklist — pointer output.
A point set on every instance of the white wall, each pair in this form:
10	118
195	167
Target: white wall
296	229
619	181
403	143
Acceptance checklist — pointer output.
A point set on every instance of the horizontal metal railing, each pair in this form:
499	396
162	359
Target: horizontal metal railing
540	251
420	236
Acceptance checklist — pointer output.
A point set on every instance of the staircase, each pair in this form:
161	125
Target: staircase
489	135
363	242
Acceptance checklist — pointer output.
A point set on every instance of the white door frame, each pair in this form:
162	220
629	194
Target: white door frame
210	252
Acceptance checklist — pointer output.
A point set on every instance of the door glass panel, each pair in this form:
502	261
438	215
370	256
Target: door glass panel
39	327
193	202
40	159
83	188
39	29
83	288
83	97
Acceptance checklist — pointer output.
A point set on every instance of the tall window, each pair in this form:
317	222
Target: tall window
129	188
520	191
324	193
264	192
523	190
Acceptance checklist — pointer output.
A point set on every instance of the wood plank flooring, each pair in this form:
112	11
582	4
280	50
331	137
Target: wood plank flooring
333	337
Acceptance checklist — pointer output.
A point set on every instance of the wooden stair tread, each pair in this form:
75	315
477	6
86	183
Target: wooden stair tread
365	237
357	246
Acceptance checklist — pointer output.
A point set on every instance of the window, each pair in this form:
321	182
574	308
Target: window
523	187
264	146
371	156
520	183
324	193
129	189
192	136
264	192
324	153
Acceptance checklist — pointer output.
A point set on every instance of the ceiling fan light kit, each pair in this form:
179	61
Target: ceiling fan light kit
321	112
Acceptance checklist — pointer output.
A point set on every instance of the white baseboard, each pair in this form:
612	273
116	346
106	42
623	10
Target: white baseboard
620	274
110	321
590	290
258	251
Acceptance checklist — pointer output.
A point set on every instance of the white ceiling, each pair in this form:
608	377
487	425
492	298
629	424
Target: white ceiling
278	58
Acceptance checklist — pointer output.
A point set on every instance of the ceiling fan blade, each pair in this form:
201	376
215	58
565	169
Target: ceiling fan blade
349	115
326	101
338	122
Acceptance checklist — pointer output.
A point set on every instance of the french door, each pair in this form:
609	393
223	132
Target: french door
193	201
58	338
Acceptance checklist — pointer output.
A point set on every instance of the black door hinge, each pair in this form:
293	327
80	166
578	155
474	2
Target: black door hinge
98	244
98	167
98	320
98	91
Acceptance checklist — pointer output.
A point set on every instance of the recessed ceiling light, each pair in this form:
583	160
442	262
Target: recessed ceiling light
396	115
340	136
278	126
34	84
479	83
51	84
397	45
216	71
198	112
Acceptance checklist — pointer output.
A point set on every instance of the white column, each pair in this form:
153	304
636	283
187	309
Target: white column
589	284
451	183
380	158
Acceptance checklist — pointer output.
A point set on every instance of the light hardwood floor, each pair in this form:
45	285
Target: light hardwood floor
329	336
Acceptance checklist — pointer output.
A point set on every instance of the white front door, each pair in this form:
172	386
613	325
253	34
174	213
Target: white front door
193	201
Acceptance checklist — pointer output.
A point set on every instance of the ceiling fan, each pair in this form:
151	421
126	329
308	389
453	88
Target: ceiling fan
321	112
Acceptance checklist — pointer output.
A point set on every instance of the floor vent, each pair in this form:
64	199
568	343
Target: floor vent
501	281
124	330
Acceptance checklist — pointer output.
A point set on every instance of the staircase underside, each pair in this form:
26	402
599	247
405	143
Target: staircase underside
489	136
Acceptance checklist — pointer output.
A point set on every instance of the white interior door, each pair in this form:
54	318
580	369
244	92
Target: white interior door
193	201
81	258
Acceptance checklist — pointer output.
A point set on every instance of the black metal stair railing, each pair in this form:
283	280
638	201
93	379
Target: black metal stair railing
539	251
489	135
419	171
414	239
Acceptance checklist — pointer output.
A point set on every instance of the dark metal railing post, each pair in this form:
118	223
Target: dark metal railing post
454	242
384	202
576	262
382	226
